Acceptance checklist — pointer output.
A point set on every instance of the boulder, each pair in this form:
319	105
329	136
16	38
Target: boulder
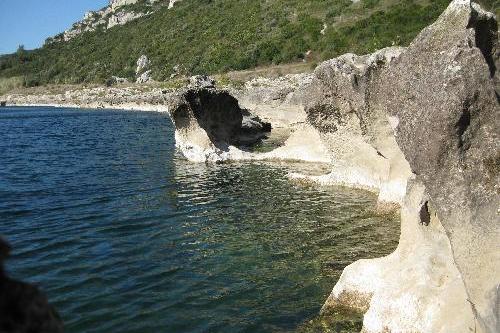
143	64
144	77
201	81
362	145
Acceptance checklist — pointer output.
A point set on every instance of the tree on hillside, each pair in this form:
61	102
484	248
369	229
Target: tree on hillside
21	53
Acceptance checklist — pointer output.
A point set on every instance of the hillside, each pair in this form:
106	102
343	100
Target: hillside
214	36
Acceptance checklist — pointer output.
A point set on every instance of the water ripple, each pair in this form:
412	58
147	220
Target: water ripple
126	236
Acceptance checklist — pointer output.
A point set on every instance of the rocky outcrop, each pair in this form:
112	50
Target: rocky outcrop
122	17
420	126
362	145
210	125
142	72
114	14
114	4
24	308
280	100
439	99
171	3
143	64
201	81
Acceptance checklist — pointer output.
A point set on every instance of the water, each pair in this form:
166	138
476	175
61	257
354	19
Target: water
124	235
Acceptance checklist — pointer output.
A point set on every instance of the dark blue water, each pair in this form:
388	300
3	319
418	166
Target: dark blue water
124	235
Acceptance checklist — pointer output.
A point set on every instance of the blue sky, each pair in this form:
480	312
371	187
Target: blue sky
30	22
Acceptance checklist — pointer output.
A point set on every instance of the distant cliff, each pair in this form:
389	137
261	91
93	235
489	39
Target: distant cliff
119	12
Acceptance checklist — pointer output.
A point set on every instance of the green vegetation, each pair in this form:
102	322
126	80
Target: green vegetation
491	6
9	83
217	36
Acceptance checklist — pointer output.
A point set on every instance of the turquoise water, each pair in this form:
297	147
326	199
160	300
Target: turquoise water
124	235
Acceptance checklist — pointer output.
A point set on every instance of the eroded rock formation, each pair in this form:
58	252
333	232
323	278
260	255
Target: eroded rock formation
114	14
364	151
420	126
210	125
142	72
439	97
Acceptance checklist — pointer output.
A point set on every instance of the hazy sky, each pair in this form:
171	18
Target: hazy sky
30	22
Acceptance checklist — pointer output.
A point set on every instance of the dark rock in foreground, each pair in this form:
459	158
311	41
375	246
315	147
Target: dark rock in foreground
24	308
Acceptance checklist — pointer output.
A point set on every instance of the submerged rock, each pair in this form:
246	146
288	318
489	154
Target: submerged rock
23	308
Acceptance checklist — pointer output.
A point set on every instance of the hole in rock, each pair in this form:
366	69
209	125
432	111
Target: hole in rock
425	216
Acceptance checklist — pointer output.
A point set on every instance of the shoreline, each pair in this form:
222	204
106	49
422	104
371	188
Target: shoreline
428	146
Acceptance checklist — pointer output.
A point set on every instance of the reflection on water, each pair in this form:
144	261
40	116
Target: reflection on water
126	236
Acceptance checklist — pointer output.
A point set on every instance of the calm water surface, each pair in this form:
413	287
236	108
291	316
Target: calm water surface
124	235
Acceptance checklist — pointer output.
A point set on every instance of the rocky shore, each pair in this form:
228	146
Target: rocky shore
418	125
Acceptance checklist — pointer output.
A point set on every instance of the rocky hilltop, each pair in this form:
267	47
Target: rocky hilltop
116	13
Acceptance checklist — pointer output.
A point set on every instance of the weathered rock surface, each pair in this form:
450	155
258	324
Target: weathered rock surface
107	17
122	17
23	308
201	81
440	97
280	101
364	151
210	125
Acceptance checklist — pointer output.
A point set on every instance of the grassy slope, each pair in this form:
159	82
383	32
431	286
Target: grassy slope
214	36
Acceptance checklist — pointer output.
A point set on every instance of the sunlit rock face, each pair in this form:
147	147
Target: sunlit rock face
210	125
114	4
360	141
113	15
117	3
440	98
